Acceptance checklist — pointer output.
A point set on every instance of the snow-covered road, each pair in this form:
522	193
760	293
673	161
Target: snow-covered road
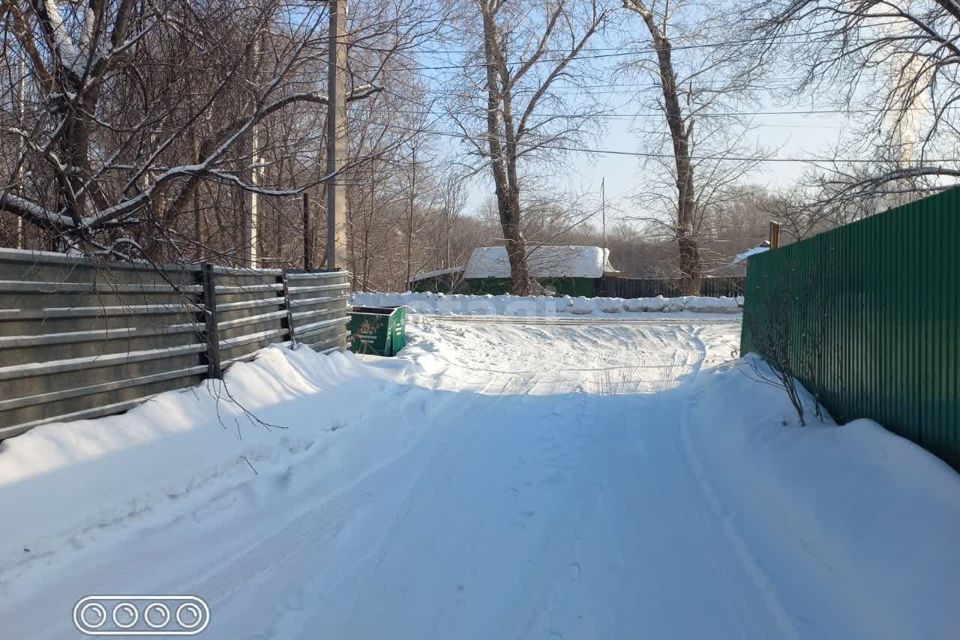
502	480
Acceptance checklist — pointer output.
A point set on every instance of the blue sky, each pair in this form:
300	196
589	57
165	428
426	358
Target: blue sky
786	136
783	135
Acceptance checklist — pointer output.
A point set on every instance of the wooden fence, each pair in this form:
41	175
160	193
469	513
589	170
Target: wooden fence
81	338
616	287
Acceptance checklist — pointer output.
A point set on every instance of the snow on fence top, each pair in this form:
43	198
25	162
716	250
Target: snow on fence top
545	262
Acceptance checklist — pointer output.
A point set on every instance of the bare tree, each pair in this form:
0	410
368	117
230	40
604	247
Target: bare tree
527	50
892	63
138	119
692	90
386	190
453	199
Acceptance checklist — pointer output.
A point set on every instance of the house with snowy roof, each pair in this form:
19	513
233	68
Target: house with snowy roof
560	270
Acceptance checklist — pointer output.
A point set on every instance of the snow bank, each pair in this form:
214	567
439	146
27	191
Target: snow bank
871	512
404	482
459	304
62	481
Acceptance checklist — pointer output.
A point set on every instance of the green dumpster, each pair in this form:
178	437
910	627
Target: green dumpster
399	329
378	330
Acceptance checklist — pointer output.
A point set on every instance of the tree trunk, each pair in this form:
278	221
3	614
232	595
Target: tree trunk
690	266
685	229
503	162
517	255
512	230
75	147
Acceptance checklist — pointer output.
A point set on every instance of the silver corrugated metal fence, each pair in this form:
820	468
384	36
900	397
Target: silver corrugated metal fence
81	338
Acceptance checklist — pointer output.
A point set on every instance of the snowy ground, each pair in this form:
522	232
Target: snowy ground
545	479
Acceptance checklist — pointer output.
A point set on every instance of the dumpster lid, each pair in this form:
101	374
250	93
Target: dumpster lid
380	311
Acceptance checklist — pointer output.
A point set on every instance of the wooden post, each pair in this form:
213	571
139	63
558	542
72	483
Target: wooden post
307	233
774	235
212	334
603	221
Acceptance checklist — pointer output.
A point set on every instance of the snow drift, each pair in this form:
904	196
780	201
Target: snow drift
61	483
855	512
447	490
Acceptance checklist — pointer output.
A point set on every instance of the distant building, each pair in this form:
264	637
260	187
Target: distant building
560	270
763	247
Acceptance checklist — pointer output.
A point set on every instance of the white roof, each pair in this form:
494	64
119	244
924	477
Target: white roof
434	274
760	248
545	262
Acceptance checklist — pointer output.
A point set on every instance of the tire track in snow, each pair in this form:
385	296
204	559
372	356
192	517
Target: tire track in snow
508	515
762	581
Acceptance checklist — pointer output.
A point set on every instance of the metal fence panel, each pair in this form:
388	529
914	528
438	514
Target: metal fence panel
318	302
618	287
81	338
872	319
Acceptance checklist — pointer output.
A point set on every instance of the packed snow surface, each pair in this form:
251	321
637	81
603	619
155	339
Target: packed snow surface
541	478
544	262
472	305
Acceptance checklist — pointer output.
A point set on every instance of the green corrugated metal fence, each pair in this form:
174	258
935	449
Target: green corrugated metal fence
869	315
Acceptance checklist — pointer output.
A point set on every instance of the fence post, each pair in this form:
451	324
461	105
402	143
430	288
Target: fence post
289	308
212	334
774	238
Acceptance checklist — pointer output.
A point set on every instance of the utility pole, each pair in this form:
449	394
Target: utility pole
195	200
336	136
250	236
253	201
603	215
410	202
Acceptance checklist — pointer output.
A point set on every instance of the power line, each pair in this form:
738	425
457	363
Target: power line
709	114
655	115
652	155
631	116
610	52
705	114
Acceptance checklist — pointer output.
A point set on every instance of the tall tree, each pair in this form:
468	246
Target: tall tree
680	132
527	49
693	92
